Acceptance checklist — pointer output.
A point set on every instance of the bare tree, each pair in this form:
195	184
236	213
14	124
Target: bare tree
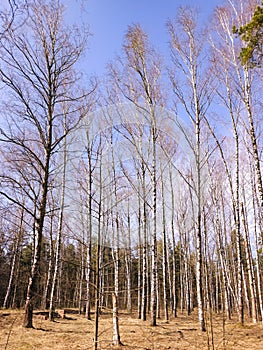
37	68
239	84
59	233
193	90
138	79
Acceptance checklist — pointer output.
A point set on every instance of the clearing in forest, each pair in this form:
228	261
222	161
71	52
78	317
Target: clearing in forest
75	332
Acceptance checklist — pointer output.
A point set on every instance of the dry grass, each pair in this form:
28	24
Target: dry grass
75	332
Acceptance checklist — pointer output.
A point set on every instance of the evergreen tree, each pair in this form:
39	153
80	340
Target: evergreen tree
252	35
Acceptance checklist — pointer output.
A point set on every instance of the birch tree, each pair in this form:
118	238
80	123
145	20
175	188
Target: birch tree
240	85
138	79
193	90
59	234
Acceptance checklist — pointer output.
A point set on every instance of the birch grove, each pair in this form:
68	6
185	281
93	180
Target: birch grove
142	194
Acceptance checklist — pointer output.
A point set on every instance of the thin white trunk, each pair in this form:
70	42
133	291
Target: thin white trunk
253	136
173	282
115	319
59	235
164	257
257	225
50	269
250	271
128	264
198	223
82	269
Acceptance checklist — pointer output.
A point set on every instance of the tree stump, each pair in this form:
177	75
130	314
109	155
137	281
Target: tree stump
62	313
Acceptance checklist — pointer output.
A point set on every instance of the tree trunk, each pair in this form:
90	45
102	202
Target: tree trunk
33	280
89	234
174	280
237	230
88	281
139	271
128	264
198	224
98	262
154	258
164	257
45	303
144	252
257	225
59	235
82	272
115	319
253	137
38	235
250	269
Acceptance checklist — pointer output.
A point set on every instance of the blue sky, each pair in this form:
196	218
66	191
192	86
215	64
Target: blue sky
109	19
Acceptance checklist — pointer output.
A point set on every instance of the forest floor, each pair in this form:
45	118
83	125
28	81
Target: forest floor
75	332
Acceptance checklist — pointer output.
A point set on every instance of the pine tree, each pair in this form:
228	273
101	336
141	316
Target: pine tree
252	35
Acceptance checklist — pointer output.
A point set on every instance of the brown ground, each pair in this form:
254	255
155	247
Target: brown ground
75	332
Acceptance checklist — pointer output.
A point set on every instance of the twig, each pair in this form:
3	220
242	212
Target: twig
9	333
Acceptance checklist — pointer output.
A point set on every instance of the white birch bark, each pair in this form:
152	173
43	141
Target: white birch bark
59	235
249	266
116	333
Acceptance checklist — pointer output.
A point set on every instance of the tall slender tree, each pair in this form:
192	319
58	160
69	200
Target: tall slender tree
142	64
187	48
239	83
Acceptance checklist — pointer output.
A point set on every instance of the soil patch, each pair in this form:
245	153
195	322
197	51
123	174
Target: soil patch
181	333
